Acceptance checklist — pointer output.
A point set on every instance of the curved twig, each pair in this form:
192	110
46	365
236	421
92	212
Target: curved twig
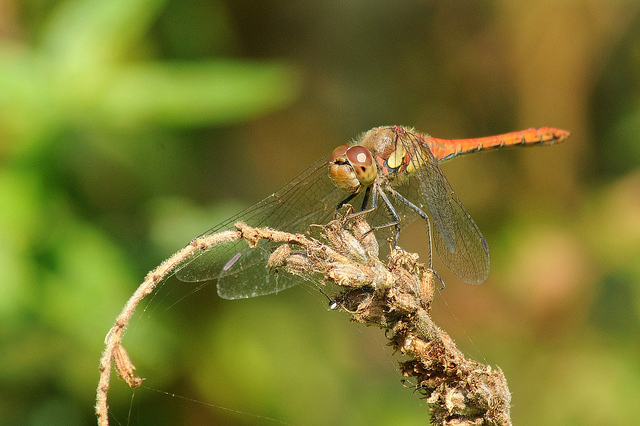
395	296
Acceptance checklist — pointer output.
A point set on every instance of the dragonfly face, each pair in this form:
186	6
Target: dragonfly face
379	153
351	168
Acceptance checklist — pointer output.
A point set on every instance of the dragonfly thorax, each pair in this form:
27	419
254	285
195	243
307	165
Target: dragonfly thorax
393	150
352	168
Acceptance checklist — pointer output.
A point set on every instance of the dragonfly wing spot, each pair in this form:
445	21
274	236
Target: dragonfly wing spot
232	261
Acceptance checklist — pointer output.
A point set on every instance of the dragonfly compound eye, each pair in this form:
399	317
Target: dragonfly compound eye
350	168
339	154
362	162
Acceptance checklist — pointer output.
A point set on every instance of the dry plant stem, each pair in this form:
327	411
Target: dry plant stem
114	351
460	391
395	296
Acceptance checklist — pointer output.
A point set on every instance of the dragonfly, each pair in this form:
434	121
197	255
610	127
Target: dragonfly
393	166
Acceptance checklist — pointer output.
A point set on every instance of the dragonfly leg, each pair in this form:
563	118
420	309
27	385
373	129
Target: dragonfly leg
343	202
420	213
365	199
438	277
394	214
364	209
373	192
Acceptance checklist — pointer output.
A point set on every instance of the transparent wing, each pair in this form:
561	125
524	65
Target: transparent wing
458	240
241	272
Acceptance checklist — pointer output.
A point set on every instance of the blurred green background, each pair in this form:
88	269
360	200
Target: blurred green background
127	127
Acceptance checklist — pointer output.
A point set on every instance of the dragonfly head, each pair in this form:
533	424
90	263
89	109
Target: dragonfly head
352	168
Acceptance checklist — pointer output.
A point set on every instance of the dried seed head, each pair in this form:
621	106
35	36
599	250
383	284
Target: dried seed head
279	257
124	367
348	275
366	236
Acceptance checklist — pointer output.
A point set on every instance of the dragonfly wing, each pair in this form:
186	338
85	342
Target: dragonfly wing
470	260
241	272
246	275
458	240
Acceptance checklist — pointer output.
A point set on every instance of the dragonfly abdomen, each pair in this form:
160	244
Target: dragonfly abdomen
445	149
